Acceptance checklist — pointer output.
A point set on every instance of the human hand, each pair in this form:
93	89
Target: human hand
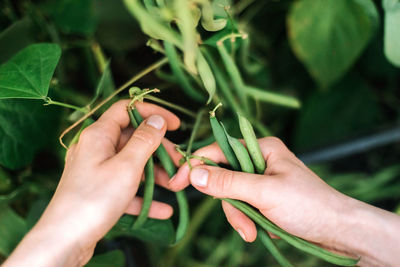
99	183
298	201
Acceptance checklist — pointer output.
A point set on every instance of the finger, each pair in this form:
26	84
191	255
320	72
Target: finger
212	152
161	176
240	222
69	156
181	178
223	183
143	142
99	141
273	146
158	210
125	136
148	109
171	149
273	236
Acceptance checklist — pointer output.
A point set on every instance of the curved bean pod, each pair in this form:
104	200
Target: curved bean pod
241	153
295	241
149	182
273	249
252	144
170	168
223	143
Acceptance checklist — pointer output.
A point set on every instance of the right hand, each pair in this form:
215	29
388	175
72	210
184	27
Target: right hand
294	198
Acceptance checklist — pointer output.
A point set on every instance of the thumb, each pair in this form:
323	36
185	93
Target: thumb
223	183
142	144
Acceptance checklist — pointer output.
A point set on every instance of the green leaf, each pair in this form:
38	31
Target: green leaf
5	182
154	231
28	73
329	35
115	258
14	195
12	230
36	212
392	33
74	16
25	127
328	117
106	86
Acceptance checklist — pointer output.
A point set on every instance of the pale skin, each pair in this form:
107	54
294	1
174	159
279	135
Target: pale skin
103	172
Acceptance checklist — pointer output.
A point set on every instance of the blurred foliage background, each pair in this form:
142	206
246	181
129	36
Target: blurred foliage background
334	56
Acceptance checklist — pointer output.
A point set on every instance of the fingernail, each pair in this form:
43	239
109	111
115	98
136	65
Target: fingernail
241	234
199	177
156	121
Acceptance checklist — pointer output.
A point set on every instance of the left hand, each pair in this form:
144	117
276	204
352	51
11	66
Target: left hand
99	183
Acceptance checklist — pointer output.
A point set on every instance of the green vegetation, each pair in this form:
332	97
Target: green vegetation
311	72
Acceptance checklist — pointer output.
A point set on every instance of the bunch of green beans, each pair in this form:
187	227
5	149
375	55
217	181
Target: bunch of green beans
249	159
170	168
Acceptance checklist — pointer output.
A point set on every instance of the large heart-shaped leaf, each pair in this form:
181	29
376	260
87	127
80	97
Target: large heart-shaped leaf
12	230
329	35
25	127
392	31
28	73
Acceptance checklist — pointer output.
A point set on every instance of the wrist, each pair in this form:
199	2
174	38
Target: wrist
367	232
46	245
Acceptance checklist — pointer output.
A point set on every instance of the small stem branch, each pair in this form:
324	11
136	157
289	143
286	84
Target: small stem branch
65	105
194	131
119	90
171	105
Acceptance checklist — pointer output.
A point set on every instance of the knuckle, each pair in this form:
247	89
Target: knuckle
144	137
224	181
275	141
119	103
87	135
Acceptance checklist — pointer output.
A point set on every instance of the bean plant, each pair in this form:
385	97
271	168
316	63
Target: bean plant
202	59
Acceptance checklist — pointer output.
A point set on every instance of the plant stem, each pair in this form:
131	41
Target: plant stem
144	72
199	216
273	97
171	105
99	56
194	131
223	84
65	105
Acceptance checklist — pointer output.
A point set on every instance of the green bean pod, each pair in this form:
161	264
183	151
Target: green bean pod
273	249
170	168
206	75
173	61
273	97
234	74
252	144
149	181
223	143
241	153
147	194
295	241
